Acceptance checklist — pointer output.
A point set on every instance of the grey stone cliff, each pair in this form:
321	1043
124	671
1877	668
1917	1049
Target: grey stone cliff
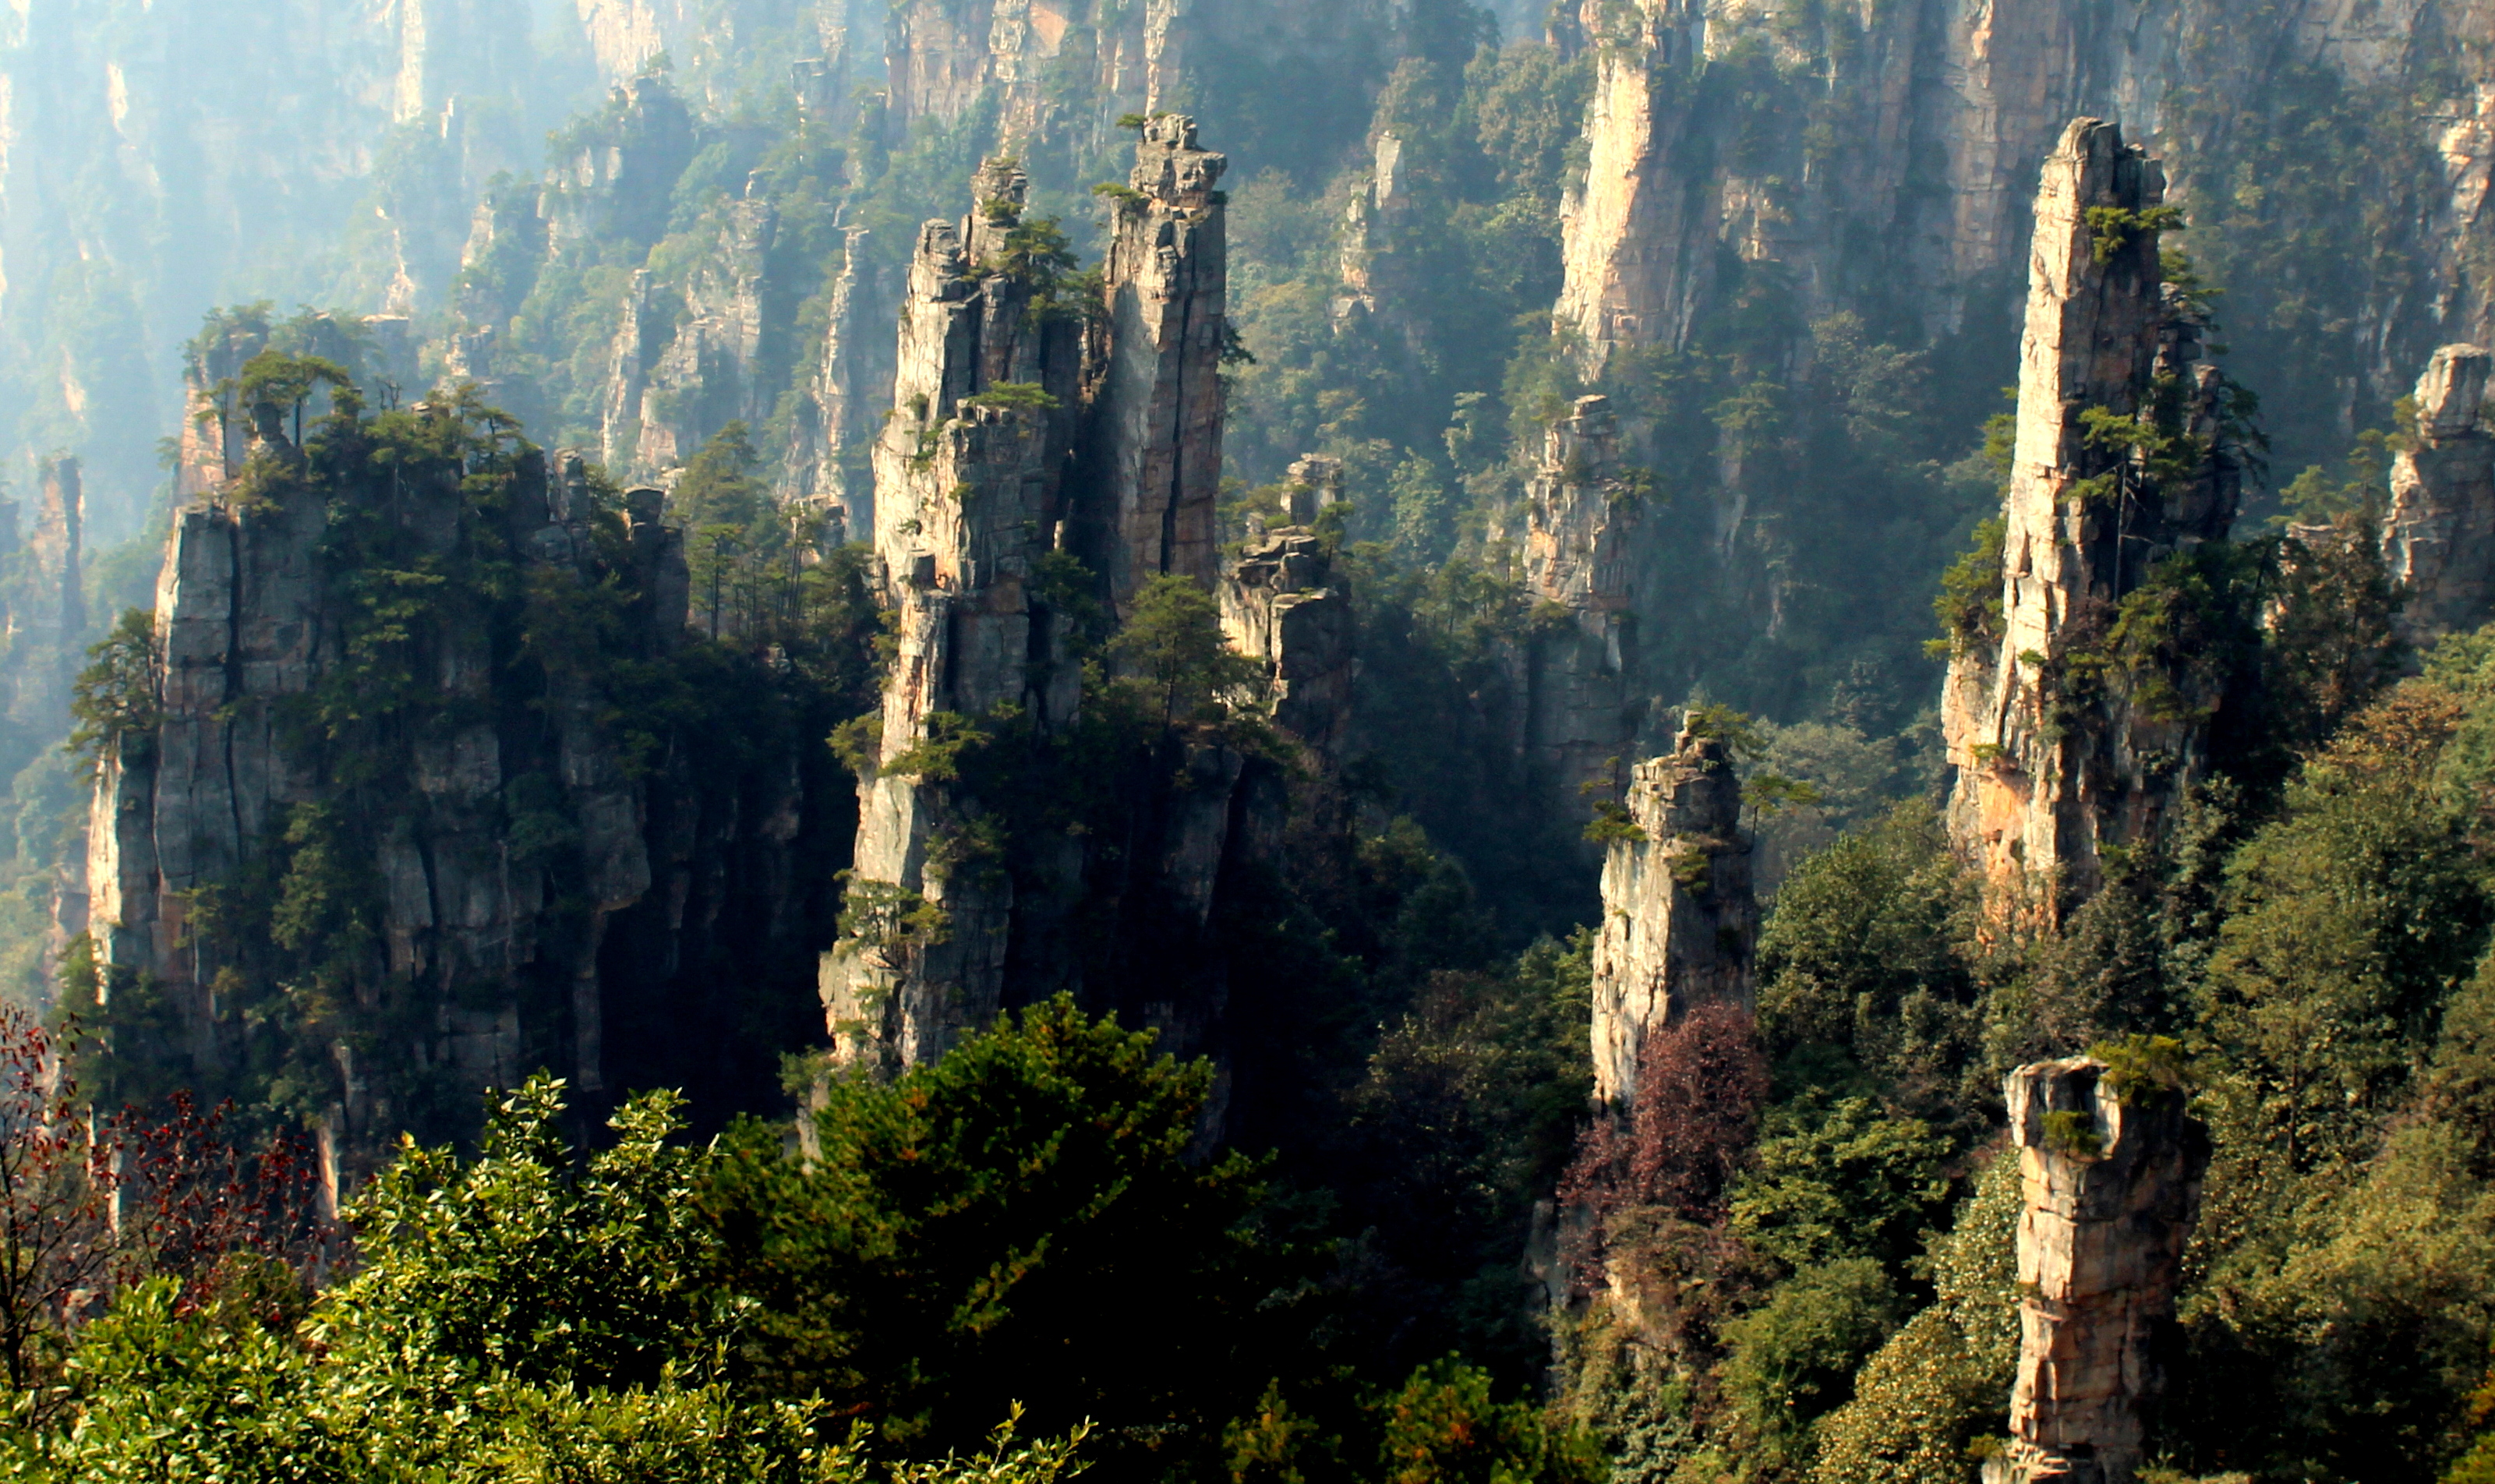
2439	541
1680	923
1582	521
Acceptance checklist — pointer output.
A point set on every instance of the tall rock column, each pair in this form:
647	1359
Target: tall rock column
2112	1181
967	476
1680	923
1582	518
1156	434
1637	240
2439	542
2121	461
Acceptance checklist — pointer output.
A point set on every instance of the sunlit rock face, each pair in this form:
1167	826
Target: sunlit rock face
1035	442
2439	542
2057	748
2113	1187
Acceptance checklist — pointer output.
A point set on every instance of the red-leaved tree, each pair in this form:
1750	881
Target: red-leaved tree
56	1184
230	1219
1701	1082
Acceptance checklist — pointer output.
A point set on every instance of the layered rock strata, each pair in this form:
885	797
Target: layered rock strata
2121	460
2113	1187
1583	516
1680	923
2439	541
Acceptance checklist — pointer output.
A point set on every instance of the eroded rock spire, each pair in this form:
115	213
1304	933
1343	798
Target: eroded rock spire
2113	1187
1680	923
2439	542
1156	434
2066	729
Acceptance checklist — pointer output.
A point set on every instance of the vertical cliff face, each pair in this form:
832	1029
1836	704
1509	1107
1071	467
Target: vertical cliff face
1042	457
2113	1187
47	628
1582	520
967	477
1156	417
1898	179
1680	923
2439	542
487	852
834	422
2062	737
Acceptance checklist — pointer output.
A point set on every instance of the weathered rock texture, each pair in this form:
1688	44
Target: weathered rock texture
1156	420
1680	923
1582	521
1898	176
538	882
2057	747
2439	542
1039	460
966	505
1281	603
2113	1180
47	620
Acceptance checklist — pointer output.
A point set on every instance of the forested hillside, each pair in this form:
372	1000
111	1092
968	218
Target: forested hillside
1229	739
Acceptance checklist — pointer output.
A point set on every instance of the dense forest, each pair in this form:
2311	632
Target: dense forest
1390	742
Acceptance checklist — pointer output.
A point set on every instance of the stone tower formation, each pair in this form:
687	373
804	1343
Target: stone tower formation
1581	517
2111	1179
2057	750
1680	923
1018	439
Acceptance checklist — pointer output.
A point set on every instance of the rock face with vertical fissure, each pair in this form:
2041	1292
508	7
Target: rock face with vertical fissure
2113	1187
967	502
1680	923
2060	743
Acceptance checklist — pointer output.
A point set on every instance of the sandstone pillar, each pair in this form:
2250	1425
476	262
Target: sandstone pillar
1582	520
1282	603
1157	436
967	474
2113	1180
1680	924
2439	541
2056	749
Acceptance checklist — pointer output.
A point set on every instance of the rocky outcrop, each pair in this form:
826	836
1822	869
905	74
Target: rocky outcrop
834	423
1899	176
522	869
1282	604
1039	459
2121	460
1155	435
2113	1187
48	618
1680	923
1582	514
2439	542
968	480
